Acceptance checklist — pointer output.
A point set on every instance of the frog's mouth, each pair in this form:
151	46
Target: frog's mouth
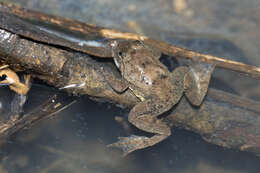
119	65
116	63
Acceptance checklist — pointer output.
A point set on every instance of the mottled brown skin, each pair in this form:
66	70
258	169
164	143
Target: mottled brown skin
14	81
11	79
157	88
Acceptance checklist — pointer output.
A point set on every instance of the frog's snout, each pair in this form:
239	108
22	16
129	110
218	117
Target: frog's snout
113	43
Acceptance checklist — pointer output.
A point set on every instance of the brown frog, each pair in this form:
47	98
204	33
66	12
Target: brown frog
11	79
156	87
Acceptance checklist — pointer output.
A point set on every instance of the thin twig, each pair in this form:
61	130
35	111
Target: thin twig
250	70
49	108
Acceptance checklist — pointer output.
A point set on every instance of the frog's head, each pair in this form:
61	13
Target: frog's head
123	52
8	77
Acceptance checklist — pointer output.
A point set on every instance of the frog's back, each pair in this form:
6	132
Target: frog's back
151	77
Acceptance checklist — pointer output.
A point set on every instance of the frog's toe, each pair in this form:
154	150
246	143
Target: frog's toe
129	144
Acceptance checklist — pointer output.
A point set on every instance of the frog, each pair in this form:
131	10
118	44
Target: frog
157	89
9	78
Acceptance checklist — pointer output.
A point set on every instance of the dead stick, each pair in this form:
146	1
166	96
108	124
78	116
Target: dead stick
182	53
51	107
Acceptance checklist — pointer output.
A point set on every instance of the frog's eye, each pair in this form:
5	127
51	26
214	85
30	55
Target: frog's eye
138	42
121	54
3	77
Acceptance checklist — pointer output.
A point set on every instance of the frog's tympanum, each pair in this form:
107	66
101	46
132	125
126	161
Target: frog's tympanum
157	88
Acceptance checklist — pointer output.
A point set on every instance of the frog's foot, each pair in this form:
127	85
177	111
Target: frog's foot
133	142
197	81
129	144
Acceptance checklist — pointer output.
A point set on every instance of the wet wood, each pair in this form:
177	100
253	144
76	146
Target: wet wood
49	108
59	67
182	53
95	40
223	119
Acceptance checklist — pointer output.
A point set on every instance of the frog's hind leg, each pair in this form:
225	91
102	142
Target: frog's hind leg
197	82
193	81
178	79
144	116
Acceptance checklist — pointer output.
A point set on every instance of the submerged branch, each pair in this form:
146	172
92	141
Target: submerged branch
50	108
223	119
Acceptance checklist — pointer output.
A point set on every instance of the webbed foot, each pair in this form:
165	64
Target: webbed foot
197	82
130	144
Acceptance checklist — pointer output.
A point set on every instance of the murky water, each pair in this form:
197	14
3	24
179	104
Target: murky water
75	140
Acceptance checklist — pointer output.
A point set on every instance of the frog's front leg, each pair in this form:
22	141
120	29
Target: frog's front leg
144	116
119	85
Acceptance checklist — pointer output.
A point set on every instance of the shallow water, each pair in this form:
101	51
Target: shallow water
75	140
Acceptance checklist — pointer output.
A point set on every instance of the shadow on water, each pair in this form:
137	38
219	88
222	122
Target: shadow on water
76	139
